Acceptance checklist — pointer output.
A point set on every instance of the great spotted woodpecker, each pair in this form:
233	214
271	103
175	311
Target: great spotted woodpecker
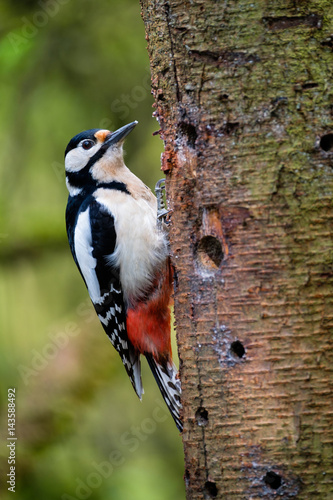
122	254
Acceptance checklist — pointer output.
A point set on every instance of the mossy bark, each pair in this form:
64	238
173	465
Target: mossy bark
243	96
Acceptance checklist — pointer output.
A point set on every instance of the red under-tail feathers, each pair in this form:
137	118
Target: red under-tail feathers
148	329
149	323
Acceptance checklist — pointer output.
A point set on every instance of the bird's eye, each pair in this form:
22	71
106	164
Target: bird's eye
87	144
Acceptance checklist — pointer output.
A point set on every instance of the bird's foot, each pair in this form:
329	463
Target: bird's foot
162	211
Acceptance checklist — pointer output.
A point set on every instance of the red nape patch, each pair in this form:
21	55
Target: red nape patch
148	329
101	135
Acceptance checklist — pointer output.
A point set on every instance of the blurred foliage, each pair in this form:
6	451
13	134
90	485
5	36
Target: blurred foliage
67	66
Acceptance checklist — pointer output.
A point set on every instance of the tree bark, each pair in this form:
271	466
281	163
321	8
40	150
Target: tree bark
244	100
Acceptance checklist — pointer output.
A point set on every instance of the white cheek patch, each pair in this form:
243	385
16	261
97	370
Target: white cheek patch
78	158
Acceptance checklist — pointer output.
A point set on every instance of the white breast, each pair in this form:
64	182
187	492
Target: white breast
141	248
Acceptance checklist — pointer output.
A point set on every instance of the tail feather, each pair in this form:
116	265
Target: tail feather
169	385
134	372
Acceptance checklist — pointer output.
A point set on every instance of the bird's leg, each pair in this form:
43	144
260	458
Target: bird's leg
162	211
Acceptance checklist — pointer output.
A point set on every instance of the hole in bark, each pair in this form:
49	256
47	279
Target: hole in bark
328	42
230	127
326	142
237	348
190	131
309	85
201	416
285	22
273	480
210	252
210	489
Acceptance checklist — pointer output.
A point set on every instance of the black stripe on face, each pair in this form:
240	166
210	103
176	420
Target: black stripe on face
83	177
97	156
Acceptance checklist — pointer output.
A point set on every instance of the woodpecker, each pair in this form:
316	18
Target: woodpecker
121	251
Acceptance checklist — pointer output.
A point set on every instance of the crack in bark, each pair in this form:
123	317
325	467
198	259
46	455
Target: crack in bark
200	391
201	84
285	22
167	12
223	57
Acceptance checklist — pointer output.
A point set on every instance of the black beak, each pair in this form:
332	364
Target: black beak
119	134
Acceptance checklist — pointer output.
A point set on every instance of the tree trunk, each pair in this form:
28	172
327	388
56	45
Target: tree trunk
244	101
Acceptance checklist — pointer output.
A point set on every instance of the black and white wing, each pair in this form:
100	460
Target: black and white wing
93	242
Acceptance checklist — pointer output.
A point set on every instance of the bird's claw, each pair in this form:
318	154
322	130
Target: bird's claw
162	211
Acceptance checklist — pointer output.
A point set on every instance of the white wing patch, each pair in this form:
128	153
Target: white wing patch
83	252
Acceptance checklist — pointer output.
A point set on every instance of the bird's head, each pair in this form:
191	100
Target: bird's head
93	156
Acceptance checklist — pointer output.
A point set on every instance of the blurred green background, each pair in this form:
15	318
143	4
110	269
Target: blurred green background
69	65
